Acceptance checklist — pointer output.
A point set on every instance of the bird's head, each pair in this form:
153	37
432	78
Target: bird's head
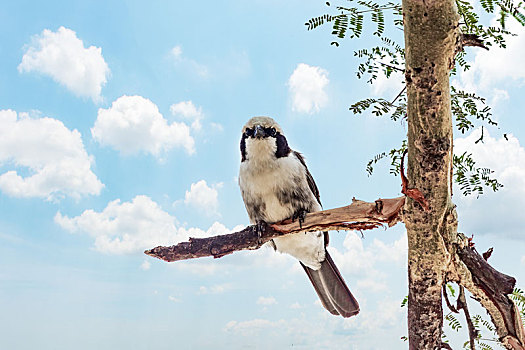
262	140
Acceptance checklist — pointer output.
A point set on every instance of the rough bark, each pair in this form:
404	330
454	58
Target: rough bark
436	252
359	215
431	38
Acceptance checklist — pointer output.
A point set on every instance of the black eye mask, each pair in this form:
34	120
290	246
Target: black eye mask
263	132
282	145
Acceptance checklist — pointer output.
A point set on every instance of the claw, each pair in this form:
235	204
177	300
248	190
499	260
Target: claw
301	215
260	227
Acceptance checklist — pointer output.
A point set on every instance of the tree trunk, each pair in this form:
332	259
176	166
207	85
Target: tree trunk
431	38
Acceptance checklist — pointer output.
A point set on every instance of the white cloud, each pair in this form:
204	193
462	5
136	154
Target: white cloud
523	260
55	156
189	111
176	52
498	213
373	284
307	88
62	56
506	158
133	124
365	265
175	300
217	127
251	327
392	86
388	314
132	227
145	266
203	197
266	301
187	64
358	260
196	267
215	289
296	306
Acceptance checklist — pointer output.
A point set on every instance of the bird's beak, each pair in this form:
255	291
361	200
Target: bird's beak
258	132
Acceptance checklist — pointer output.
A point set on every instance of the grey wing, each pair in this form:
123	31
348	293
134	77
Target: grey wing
313	188
309	178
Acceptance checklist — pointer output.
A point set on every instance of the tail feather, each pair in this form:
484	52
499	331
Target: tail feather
332	290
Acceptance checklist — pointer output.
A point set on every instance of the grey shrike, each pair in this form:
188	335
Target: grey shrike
275	185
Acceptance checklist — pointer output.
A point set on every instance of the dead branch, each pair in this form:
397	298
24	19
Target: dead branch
446	346
491	287
359	215
472	331
472	40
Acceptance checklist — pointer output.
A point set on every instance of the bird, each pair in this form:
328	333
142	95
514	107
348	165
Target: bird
275	185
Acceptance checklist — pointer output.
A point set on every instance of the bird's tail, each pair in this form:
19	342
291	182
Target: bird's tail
332	290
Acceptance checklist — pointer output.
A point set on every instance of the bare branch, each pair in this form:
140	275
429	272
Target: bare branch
445	295
446	346
359	215
491	287
472	40
472	331
400	93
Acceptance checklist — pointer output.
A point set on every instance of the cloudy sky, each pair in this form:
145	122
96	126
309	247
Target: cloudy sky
119	131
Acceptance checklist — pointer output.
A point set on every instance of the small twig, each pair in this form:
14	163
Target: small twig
472	40
365	11
472	331
404	88
390	66
450	306
446	346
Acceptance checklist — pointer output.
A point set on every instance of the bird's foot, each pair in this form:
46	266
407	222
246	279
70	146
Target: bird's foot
299	215
260	227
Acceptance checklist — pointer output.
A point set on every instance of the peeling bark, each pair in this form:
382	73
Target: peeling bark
359	215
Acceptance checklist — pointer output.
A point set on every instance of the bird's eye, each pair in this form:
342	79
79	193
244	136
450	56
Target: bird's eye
272	132
248	132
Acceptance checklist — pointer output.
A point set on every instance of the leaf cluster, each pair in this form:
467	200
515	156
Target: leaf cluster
518	296
351	18
491	35
472	179
467	106
389	58
394	155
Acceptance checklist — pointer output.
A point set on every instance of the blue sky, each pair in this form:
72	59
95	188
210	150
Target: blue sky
120	124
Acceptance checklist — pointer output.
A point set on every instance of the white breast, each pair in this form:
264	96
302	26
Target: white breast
262	177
